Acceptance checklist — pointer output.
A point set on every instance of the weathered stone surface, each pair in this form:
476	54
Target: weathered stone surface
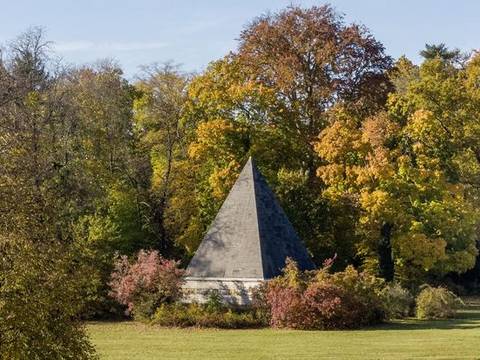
235	292
251	237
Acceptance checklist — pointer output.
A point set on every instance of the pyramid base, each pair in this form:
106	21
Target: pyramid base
235	292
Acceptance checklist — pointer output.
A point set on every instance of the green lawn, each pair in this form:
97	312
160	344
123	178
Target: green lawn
411	339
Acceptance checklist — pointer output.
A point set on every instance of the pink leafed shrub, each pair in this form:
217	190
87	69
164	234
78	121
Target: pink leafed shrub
146	283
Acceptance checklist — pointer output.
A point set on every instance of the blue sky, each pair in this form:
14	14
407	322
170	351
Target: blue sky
195	32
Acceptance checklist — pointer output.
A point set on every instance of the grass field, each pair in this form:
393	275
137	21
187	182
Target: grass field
410	339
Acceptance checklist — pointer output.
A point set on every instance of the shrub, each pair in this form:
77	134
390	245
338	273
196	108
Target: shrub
321	300
41	296
196	315
327	306
437	303
214	302
397	301
362	296
260	304
147	283
288	308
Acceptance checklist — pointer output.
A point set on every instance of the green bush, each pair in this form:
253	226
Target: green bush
197	315
362	296
397	301
214	302
260	305
437	303
41	296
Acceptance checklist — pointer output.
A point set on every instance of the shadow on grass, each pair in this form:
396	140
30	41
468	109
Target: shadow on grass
466	319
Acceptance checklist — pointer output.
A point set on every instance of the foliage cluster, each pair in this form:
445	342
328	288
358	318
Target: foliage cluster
320	300
300	300
42	279
398	302
39	302
197	315
150	287
437	303
379	166
147	283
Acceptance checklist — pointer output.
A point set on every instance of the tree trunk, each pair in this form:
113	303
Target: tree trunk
385	259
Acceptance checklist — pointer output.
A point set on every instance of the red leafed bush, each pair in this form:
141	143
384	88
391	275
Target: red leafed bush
327	304
146	283
319	306
320	300
288	308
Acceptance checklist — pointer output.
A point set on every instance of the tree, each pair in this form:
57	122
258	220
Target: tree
402	170
312	61
270	99
440	105
439	51
40	285
162	136
39	301
101	103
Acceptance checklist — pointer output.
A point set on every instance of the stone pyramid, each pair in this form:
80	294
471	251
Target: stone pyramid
251	237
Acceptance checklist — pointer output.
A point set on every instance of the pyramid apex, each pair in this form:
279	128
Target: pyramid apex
251	161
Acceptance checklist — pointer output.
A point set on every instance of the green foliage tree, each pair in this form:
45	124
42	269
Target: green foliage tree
439	51
111	174
440	106
40	284
162	138
40	301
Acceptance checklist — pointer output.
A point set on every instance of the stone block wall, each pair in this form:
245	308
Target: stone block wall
234	292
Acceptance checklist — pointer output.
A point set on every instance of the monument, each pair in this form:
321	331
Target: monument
247	243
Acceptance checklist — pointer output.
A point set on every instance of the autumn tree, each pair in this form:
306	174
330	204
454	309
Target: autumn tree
312	61
270	99
402	169
110	172
40	301
440	106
